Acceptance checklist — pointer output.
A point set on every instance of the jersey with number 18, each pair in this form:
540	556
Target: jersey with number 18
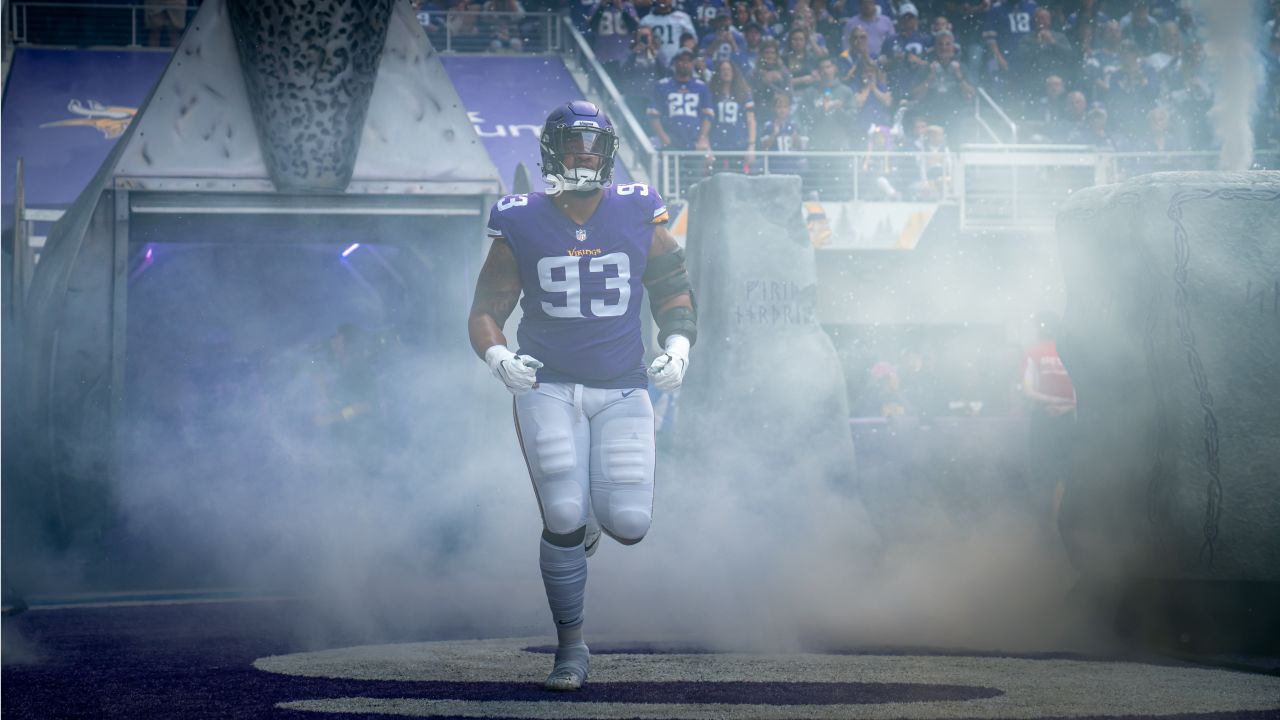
581	283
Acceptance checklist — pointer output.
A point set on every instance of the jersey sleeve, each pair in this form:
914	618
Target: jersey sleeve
655	207
494	228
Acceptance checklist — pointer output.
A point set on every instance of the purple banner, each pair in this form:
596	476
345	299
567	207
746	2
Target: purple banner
508	98
64	111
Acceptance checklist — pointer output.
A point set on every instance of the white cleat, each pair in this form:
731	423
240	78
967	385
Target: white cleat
570	671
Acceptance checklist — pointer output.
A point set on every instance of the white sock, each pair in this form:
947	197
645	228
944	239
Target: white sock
564	573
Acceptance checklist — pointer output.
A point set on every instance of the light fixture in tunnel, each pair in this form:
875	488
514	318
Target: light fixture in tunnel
150	254
350	249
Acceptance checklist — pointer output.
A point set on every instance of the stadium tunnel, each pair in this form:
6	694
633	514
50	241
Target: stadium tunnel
257	222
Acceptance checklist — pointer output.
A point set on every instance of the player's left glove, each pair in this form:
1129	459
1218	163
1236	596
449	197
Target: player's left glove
667	370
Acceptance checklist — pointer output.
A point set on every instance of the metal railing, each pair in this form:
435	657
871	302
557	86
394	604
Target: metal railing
997	186
93	24
982	99
826	175
82	24
493	32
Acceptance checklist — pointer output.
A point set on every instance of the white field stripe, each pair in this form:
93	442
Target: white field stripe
1031	688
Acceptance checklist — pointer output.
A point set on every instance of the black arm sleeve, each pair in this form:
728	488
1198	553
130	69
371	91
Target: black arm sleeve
665	277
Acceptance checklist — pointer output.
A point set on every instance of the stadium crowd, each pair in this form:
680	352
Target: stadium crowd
783	75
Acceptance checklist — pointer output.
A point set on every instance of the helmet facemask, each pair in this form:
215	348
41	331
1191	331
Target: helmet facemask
580	140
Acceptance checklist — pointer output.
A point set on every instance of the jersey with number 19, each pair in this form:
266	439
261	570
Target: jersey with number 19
582	283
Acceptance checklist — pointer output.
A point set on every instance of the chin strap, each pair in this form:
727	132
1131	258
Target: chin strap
559	184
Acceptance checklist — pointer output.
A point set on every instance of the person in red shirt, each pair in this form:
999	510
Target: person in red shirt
1051	404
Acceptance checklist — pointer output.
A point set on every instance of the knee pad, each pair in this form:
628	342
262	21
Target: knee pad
563	516
629	525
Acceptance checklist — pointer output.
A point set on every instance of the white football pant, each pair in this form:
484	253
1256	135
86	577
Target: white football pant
589	448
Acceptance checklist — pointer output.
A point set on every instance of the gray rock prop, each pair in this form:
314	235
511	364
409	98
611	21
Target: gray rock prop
1171	335
764	377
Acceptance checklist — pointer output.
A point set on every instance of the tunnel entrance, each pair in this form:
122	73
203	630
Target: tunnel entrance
273	359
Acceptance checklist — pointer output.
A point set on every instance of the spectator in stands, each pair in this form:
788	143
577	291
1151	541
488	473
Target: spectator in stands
704	13
1186	91
1157	139
828	26
753	37
879	27
801	58
701	68
944	91
872	98
612	26
641	71
934	164
1006	26
1046	112
1131	93
966	18
504	38
1083	24
668	25
1170	47
1139	27
165	20
855	56
464	28
734	129
803	18
940	25
904	54
771	77
1047	52
1072	121
1094	132
768	19
828	109
1104	61
780	134
724	42
681	112
881	175
741	15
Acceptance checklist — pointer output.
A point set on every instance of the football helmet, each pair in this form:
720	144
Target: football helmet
577	128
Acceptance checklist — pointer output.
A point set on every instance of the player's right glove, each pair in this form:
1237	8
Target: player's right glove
517	372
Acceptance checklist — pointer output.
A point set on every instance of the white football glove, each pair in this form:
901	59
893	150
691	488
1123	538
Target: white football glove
667	370
517	372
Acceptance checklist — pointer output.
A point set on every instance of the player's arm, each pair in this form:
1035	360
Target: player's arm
671	301
497	292
667	280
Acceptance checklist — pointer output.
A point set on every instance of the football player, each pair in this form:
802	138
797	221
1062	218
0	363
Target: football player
583	254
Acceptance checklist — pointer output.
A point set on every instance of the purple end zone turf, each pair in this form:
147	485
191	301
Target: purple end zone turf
195	662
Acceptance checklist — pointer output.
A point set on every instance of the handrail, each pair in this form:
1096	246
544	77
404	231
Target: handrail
18	283
619	108
979	98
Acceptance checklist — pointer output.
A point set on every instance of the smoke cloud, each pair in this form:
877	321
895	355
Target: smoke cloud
1232	26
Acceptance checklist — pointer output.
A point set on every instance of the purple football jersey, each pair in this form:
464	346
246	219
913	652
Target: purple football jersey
582	284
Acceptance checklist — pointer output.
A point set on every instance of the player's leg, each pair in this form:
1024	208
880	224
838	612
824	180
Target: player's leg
622	464
555	437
